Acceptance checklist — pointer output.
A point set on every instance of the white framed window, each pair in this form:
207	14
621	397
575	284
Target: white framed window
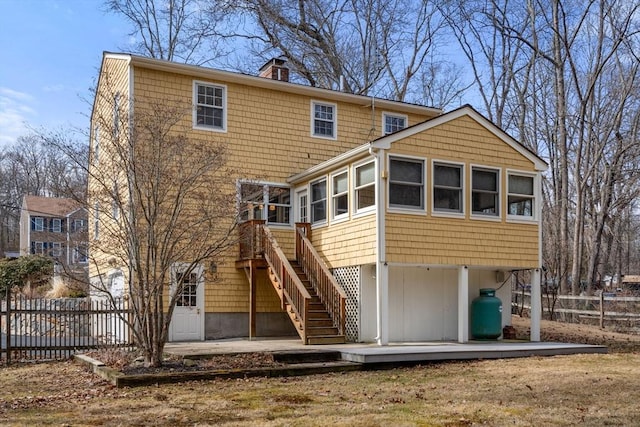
324	120
365	186
37	223
56	225
393	122
485	191
210	103
521	200
80	254
271	202
56	249
340	195
37	248
319	201
79	225
448	179
406	183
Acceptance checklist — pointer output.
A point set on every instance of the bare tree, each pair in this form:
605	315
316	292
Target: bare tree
175	30
162	209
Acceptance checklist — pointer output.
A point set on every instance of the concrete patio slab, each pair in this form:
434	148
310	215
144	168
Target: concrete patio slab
392	353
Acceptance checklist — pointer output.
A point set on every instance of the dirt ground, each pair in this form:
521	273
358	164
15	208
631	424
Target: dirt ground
591	390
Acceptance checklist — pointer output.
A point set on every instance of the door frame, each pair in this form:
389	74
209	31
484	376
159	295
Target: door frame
199	270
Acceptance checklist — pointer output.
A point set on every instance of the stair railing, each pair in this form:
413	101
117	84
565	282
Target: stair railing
292	288
326	286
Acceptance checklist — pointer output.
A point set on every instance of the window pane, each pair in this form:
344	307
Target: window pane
340	205
520	206
448	176
318	191
366	196
485	180
319	211
486	203
521	184
406	171
365	174
318	201
340	183
405	195
447	199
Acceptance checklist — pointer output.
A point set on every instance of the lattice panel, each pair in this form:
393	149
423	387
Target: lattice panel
349	279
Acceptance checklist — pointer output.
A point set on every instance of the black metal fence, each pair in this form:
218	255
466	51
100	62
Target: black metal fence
48	329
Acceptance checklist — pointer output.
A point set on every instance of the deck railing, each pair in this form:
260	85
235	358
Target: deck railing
293	291
329	291
251	242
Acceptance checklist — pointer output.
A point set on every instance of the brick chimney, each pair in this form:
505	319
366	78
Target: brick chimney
275	70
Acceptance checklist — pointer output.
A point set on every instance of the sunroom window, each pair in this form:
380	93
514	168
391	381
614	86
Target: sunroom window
406	183
520	198
447	188
340	194
319	201
485	197
365	188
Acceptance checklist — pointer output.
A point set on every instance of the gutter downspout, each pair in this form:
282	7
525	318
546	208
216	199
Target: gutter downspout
382	271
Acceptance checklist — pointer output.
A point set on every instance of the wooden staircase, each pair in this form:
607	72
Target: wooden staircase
315	305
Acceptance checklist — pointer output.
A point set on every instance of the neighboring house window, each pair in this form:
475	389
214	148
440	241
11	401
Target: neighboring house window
80	254
56	225
520	198
210	106
323	119
447	187
37	248
96	220
116	115
96	145
485	195
340	194
79	225
37	223
406	183
56	249
393	122
365	186
265	201
319	201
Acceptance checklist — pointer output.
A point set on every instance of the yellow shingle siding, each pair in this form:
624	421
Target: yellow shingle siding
347	243
431	239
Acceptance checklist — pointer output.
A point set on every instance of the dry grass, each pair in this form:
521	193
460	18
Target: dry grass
590	390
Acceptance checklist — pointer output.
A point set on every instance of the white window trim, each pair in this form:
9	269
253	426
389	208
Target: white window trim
37	227
335	119
536	197
386	114
299	192
480	216
326	217
223	129
56	249
354	200
408	209
345	216
463	203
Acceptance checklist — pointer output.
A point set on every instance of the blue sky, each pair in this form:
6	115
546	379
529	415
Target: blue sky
51	51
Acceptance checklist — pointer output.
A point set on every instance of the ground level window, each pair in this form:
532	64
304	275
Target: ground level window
406	183
520	198
485	191
447	187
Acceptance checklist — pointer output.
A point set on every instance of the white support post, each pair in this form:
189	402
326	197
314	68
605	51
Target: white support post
382	284
463	304
536	304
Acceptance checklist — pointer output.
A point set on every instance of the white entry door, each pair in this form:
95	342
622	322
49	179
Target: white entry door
187	322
